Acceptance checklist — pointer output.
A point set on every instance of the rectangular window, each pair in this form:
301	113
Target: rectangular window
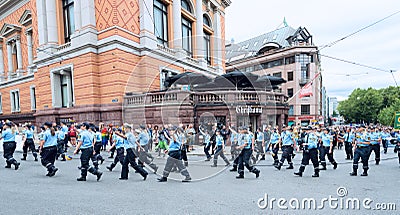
291	110
69	23
290	92
207	47
289	60
187	36
33	98
278	74
290	76
62	88
305	109
161	22
14	98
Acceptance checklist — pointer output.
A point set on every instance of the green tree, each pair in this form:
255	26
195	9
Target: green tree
386	115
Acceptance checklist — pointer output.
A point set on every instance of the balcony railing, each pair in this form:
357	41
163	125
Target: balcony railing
63	46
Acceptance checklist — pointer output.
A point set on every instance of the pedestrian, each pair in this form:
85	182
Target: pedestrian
260	143
143	149
85	145
219	149
310	152
64	129
60	143
28	143
385	135
72	134
267	137
287	144
184	138
375	146
118	146
9	145
274	143
48	149
233	139
206	143
174	157
111	131
190	132
98	145
362	151
246	146
162	141
397	145
349	138
326	149
240	140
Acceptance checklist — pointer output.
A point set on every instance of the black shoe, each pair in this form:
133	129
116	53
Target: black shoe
227	164
102	160
290	167
299	174
16	166
208	159
36	159
144	177
81	179
109	168
7	167
99	174
278	166
257	173
353	174
347	159
262	158
111	157
123	179
240	176
233	169
163	179
23	159
187	179
213	165
323	168
315	175
64	159
293	155
53	172
377	163
364	174
335	166
155	170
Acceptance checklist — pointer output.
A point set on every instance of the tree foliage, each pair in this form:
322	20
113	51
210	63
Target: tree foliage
370	105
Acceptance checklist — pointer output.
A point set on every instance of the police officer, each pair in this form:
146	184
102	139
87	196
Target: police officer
362	151
206	143
375	144
348	143
234	140
48	149
246	146
239	141
274	144
97	145
85	145
144	155
174	157
9	144
64	129
310	152
119	147
60	144
326	149
385	135
28	143
267	137
287	144
184	139
260	143
397	147
130	146
219	149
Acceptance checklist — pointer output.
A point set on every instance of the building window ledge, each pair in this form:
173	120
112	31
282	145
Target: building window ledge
166	49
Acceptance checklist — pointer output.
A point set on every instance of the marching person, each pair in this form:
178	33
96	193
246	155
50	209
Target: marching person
60	143
206	143
28	143
233	138
9	144
361	151
118	145
260	143
144	155
326	149
348	143
130	146
375	144
48	149
385	135
64	129
98	144
85	145
174	157
184	138
287	145
397	147
310	152
162	141
274	143
219	149
246	146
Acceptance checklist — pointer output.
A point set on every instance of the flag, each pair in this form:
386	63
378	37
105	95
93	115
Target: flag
284	22
397	120
306	90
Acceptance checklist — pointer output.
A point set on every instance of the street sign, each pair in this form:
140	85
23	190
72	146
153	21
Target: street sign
397	120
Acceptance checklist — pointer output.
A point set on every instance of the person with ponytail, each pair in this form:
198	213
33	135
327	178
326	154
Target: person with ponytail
28	143
48	149
9	144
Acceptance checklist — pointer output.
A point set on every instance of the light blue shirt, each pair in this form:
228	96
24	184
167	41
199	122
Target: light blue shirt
326	140
28	134
86	138
119	143
207	139
349	137
143	138
49	140
174	145
311	141
60	135
233	136
275	138
98	136
64	129
260	136
219	140
249	140
375	138
362	137
8	135
287	138
130	141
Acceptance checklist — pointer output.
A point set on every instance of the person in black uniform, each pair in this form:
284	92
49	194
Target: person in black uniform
310	152
246	146
362	151
48	149
28	143
9	144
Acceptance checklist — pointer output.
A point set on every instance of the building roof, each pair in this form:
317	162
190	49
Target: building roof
277	39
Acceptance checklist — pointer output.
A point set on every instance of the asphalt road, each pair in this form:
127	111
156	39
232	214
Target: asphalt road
213	191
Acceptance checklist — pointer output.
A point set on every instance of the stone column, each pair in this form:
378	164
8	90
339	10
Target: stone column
69	89
77	15
88	14
147	36
19	56
9	58
85	25
51	13
177	24
218	41
42	21
199	31
1	61
30	47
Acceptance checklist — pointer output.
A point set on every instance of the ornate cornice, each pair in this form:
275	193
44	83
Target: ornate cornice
9	6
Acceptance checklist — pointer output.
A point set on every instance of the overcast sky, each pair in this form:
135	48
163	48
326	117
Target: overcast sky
327	21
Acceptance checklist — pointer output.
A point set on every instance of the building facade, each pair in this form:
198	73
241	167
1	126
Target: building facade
66	60
288	53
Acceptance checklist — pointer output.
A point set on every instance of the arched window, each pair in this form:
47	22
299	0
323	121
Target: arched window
186	5
206	21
